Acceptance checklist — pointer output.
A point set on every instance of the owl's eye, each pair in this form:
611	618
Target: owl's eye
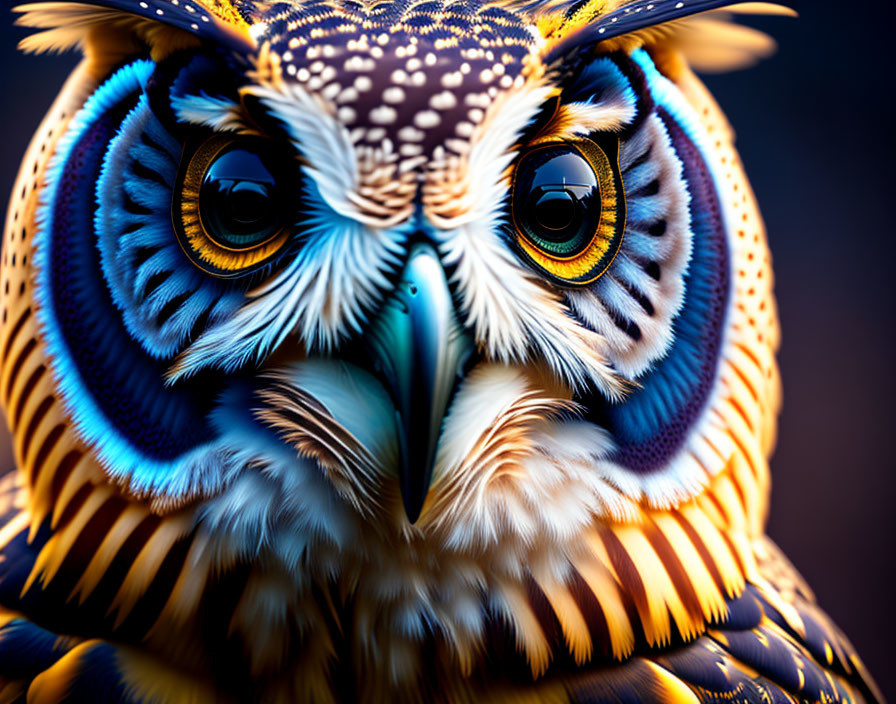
568	207
239	203
235	205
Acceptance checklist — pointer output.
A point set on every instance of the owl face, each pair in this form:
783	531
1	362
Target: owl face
425	280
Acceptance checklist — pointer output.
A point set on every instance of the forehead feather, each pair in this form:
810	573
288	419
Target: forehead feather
416	73
464	24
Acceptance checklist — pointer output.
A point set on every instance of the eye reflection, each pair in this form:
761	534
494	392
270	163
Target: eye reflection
560	200
569	209
554	211
239	202
236	203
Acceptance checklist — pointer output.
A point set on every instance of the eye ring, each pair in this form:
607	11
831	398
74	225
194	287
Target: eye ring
585	179
230	207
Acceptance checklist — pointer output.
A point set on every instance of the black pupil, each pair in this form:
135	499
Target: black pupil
240	203
248	202
556	199
555	210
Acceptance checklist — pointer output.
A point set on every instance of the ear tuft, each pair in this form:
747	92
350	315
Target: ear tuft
171	23
576	25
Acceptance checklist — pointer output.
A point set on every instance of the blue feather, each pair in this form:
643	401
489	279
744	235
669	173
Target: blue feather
653	423
27	649
153	437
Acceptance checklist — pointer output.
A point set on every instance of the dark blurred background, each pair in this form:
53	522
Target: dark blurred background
814	129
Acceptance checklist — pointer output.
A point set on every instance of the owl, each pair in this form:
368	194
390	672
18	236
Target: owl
394	351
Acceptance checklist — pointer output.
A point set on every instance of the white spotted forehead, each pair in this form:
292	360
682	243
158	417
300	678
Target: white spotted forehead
415	72
402	89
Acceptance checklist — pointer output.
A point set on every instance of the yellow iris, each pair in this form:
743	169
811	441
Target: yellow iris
203	234
586	182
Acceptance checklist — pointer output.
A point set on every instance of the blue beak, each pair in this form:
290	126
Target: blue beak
419	349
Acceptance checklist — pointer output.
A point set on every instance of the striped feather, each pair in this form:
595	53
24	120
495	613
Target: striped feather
97	671
115	536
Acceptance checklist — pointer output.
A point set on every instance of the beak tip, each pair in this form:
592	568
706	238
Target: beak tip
413	513
413	499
